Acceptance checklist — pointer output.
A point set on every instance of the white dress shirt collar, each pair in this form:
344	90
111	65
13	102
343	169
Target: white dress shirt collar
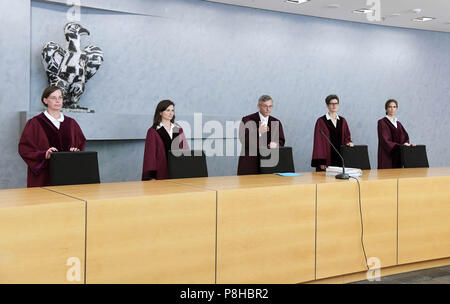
329	118
170	132
55	122
263	119
393	120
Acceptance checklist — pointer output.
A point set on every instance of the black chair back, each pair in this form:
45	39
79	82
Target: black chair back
414	156
73	168
278	160
191	163
356	157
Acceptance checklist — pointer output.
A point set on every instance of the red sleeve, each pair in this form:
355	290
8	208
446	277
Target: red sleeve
183	144
281	134
33	145
405	135
321	146
244	136
155	162
385	137
149	155
248	136
78	139
346	137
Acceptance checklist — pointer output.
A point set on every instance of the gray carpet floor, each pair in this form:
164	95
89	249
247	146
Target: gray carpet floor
438	275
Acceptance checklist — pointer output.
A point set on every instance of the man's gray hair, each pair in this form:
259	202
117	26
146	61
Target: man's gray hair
264	98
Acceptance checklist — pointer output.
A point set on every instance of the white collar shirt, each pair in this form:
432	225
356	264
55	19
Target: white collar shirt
170	132
55	122
393	120
329	118
264	120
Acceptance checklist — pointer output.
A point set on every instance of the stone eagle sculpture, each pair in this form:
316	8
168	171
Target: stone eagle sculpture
70	69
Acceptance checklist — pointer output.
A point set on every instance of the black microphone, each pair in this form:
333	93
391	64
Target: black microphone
343	175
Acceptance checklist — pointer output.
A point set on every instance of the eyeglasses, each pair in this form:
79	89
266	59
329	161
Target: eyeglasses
333	103
266	107
55	98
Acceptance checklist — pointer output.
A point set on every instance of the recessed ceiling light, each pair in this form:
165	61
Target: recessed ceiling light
423	19
297	1
363	11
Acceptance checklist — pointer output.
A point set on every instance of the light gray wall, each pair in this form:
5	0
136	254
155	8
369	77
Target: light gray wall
14	87
218	59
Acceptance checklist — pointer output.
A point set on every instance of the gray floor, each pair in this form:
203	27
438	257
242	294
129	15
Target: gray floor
439	275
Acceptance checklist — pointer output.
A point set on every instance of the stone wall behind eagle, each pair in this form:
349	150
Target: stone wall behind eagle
218	59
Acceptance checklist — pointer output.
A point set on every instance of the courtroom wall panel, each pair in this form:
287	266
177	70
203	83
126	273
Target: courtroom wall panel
218	59
42	237
339	246
423	219
266	235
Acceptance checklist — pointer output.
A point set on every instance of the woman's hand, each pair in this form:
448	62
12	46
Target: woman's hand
407	144
73	149
350	144
49	151
323	167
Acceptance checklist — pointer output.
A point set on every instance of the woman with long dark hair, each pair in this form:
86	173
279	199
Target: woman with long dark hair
391	135
164	136
48	132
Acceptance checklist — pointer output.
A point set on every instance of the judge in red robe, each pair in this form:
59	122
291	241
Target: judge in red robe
391	136
256	131
335	127
162	137
48	132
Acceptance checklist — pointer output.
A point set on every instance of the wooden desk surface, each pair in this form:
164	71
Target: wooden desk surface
40	231
124	190
31	197
266	180
419	221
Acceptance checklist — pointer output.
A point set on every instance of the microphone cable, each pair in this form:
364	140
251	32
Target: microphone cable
362	225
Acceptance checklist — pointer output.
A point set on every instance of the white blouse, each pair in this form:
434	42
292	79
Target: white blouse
55	122
170	132
329	118
393	120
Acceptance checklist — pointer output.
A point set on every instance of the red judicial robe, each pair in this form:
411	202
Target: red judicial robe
38	136
157	145
251	141
390	139
323	153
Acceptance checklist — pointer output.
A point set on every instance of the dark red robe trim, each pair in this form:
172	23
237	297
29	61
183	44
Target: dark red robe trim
155	153
321	147
38	136
390	139
248	163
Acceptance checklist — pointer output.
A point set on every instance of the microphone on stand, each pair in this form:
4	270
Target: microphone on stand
342	175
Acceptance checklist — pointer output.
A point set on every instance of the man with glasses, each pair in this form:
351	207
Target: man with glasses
258	130
336	129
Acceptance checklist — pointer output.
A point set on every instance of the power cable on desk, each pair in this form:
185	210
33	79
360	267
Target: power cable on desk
362	225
